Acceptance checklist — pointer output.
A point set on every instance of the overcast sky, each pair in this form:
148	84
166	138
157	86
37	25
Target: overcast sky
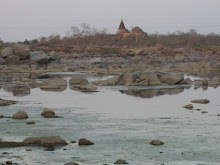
21	19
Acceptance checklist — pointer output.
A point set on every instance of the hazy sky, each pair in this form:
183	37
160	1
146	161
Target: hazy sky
20	19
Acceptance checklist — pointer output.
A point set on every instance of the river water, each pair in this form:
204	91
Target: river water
29	19
121	121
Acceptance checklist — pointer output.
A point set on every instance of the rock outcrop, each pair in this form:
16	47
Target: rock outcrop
77	80
87	87
12	60
39	57
57	84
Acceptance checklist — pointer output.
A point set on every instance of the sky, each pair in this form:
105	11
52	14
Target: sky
21	19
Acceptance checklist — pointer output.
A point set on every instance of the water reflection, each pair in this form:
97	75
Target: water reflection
149	93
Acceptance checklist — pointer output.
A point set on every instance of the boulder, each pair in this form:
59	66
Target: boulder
90	87
188	106
22	51
156	142
20	115
28	149
39	57
12	60
152	78
187	81
21	91
171	78
54	56
77	80
30	122
71	163
6	102
84	141
203	112
120	161
54	85
7	52
50	116
201	101
44	141
47	112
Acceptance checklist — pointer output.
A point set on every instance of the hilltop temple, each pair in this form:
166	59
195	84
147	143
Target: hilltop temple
136	31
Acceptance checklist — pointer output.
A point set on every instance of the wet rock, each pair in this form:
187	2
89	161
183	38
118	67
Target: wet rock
57	84
9	163
120	161
203	112
7	52
77	80
201	101
20	115
189	106
7	102
71	163
50	116
84	141
110	81
171	78
87	87
22	51
187	81
28	149
30	122
2	116
21	91
39	57
156	142
12	60
47	111
44	141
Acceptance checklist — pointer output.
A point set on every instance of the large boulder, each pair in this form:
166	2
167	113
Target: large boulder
20	115
171	78
44	141
78	79
152	78
12	60
156	142
57	84
7	52
21	91
22	51
90	87
84	141
39	57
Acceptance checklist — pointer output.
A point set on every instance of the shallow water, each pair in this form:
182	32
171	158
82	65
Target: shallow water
121	126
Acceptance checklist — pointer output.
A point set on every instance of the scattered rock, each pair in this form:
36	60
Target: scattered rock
201	101
71	163
22	51
47	111
77	80
28	149
84	141
156	142
189	106
30	122
20	115
120	161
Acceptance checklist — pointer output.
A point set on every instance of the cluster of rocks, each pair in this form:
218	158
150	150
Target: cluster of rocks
21	54
199	101
81	83
144	78
6	102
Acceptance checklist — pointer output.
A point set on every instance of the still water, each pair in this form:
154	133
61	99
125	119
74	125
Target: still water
121	123
29	19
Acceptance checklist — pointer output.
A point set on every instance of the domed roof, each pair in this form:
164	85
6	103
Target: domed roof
137	30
